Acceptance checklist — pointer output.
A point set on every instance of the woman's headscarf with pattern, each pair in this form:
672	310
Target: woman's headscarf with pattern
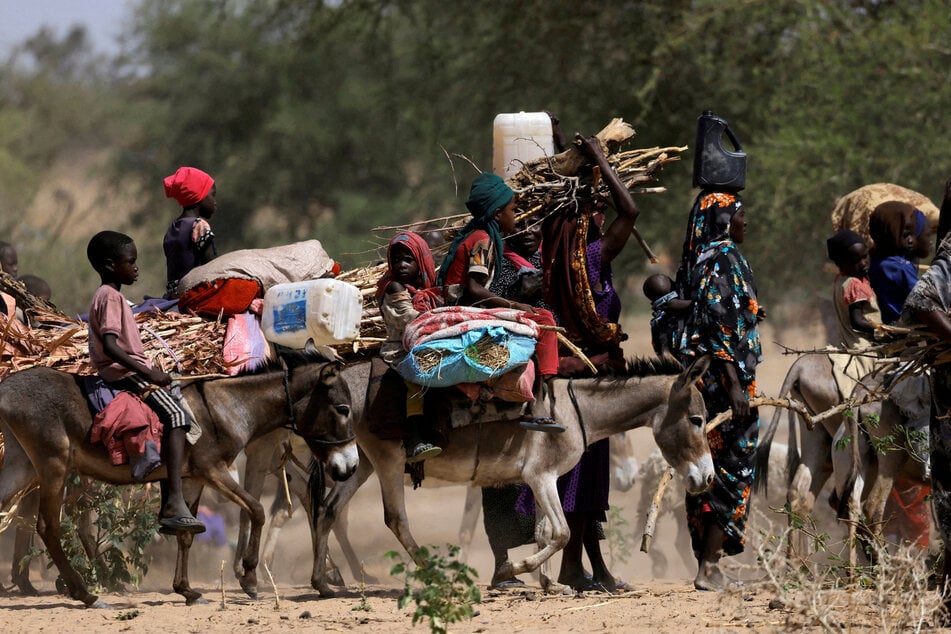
709	221
426	296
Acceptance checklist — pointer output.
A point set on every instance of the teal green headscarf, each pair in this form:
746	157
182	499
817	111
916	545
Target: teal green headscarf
489	193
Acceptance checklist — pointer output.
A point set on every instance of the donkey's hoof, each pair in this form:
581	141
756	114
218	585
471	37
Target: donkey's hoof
26	588
97	604
250	588
324	591
199	600
191	597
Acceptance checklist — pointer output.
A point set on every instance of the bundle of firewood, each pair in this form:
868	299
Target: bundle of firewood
172	340
551	184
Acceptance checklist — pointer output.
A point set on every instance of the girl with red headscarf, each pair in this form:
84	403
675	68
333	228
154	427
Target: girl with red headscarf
189	241
407	289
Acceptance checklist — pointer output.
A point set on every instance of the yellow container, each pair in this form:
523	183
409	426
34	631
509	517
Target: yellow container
517	138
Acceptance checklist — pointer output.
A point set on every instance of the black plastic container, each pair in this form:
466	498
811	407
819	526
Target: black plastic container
714	166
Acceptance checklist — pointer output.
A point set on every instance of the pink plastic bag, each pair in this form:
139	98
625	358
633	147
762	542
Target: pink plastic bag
245	348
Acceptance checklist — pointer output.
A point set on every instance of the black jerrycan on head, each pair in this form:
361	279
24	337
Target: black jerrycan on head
714	166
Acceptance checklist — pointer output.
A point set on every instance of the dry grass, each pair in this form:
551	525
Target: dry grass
894	594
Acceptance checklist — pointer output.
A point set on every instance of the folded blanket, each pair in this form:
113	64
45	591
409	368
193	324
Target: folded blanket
453	321
295	262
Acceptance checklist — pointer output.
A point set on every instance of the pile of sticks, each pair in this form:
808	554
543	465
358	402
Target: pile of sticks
551	184
175	342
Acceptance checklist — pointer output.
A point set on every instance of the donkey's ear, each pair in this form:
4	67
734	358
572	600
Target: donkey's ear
693	373
330	372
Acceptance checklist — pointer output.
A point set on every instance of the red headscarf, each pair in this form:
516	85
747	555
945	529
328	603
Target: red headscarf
427	296
188	186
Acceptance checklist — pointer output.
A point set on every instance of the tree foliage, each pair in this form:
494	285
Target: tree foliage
327	119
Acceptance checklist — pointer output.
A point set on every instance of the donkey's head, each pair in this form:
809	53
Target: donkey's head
681	432
326	423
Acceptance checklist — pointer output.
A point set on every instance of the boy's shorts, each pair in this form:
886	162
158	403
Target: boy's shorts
165	406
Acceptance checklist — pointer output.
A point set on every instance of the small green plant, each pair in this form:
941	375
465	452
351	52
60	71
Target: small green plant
364	605
442	587
107	531
619	536
128	615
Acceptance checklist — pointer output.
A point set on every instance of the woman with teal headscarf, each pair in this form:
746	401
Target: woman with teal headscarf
469	267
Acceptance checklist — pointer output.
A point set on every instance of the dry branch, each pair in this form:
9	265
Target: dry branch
654	509
789	403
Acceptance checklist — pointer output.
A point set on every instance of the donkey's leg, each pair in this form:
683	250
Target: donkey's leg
191	490
390	473
552	534
219	477
470	519
278	515
23	541
16	475
341	531
259	454
814	470
50	529
890	463
335	504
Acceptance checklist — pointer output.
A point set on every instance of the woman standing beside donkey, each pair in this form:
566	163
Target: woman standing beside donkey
716	277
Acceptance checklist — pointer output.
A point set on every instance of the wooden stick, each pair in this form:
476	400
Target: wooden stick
575	350
223	607
654	509
647	250
202	377
789	403
287	489
277	599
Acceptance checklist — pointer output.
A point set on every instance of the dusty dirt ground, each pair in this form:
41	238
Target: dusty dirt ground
662	596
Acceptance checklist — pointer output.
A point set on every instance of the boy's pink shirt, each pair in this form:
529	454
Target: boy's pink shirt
111	314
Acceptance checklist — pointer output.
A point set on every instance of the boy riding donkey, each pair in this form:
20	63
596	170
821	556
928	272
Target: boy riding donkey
117	354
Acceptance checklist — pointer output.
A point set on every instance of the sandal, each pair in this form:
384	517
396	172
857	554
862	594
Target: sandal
179	524
542	423
423	451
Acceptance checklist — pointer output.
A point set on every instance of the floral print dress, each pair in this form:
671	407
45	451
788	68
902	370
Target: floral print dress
723	323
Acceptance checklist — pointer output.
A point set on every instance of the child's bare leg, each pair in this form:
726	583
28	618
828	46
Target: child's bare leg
174	502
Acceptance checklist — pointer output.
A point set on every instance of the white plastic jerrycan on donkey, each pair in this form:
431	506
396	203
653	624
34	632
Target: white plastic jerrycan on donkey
518	138
325	310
